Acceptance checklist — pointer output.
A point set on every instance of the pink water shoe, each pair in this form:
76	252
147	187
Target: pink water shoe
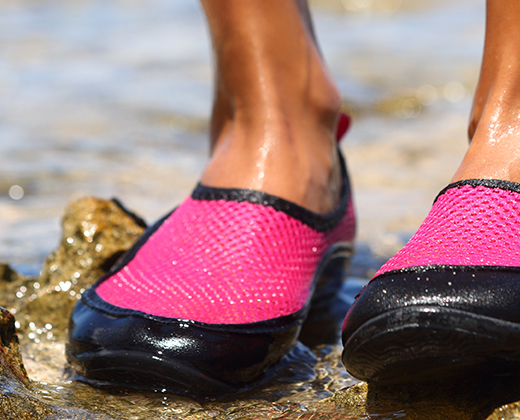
214	295
449	301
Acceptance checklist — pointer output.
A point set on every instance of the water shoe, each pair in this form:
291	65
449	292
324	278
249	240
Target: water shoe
449	301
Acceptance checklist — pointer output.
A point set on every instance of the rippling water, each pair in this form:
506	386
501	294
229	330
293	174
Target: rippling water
111	98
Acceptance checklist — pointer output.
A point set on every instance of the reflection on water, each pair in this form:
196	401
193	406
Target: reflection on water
110	98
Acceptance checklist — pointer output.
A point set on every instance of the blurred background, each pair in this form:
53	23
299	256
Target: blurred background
111	98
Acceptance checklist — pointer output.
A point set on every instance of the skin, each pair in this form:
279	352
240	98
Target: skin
276	106
495	119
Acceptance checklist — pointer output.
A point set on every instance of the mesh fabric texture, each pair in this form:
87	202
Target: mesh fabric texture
467	225
224	262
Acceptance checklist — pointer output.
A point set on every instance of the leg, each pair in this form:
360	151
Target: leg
216	294
275	105
447	303
495	121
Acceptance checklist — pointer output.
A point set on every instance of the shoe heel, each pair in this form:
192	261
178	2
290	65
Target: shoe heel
327	309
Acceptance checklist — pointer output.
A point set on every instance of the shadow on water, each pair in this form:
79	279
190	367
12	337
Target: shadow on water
475	397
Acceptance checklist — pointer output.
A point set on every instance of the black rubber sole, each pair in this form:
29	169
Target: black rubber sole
128	368
424	343
139	370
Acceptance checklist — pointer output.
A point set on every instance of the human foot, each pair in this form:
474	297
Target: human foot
494	128
448	301
298	163
213	296
494	151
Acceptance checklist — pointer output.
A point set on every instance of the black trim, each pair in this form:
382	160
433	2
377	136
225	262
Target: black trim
419	269
490	183
319	222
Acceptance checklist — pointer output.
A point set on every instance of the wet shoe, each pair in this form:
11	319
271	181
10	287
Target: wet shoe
449	301
214	295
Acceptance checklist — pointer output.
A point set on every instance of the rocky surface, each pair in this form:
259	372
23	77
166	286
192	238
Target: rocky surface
10	357
95	234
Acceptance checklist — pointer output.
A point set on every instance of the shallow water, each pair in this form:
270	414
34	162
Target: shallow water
110	98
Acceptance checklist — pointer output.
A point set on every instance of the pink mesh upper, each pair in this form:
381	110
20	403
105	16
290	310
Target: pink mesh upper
224	262
467	225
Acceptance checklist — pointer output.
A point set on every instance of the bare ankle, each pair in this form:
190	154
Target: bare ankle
494	151
289	155
275	105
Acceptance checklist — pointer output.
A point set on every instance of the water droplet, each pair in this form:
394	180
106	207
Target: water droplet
426	94
454	92
65	285
16	192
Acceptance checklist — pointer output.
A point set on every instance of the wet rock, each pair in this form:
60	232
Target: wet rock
15	403
7	274
352	400
416	401
506	412
11	365
95	234
20	403
10	283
